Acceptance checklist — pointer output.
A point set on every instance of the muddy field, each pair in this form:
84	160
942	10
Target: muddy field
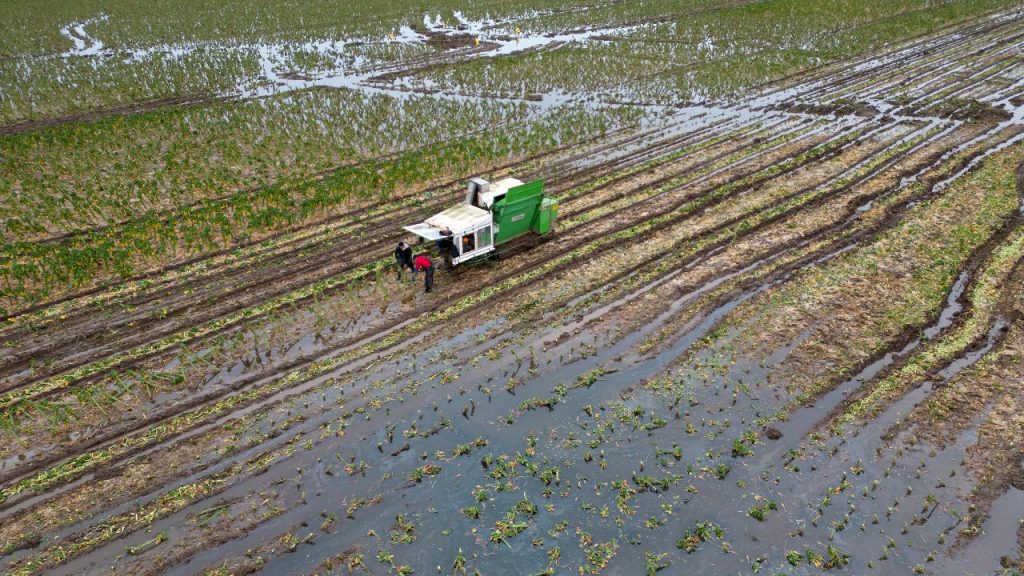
774	334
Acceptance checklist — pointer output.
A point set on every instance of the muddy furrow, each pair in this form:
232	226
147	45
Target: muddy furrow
958	311
968	79
825	240
939	62
706	170
872	70
831	399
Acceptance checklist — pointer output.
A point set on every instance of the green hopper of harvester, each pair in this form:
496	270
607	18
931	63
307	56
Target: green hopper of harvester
494	217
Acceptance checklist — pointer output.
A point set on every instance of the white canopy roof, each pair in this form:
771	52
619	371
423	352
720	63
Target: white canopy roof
460	218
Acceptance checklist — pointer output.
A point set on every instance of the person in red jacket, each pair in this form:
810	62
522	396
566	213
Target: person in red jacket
423	263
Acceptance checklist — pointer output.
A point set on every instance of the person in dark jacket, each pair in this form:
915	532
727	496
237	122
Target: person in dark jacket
424	263
403	257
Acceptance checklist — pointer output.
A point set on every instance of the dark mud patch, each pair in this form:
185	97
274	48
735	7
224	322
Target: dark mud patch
297	76
444	41
837	108
964	110
444	44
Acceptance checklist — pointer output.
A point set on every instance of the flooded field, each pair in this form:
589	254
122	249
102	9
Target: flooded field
779	328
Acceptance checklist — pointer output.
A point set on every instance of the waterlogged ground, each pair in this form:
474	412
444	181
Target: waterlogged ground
781	335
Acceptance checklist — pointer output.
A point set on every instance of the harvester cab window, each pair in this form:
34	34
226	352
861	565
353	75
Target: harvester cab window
468	243
483	237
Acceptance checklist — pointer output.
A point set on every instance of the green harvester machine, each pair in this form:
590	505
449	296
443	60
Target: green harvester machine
495	217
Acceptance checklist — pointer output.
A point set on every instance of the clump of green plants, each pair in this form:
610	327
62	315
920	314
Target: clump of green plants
743	446
760	510
654	563
404	531
424	471
702	532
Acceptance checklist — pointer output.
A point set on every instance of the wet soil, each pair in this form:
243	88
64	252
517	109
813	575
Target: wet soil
94	115
443	41
838	108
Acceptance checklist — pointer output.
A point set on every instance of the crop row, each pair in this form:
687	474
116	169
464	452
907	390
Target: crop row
33	271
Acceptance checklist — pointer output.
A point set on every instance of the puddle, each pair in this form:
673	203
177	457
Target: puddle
490	39
84	44
802	421
999	535
900	408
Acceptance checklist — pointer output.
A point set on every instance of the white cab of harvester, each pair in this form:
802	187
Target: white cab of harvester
470	223
490	192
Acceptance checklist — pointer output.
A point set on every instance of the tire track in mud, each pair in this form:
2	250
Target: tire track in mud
921	52
838	245
906	176
916	340
940	63
829	186
874	443
887	421
817	410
